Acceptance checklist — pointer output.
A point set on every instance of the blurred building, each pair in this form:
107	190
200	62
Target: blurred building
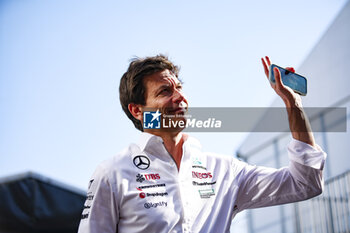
31	203
327	70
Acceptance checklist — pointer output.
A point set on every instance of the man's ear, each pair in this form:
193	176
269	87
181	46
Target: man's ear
136	111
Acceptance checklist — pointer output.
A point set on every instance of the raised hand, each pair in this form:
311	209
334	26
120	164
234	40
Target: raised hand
286	93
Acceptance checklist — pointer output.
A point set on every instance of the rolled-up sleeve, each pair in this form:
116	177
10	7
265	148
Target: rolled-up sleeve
306	154
302	179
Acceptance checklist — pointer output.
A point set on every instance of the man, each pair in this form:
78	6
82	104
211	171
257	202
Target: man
166	183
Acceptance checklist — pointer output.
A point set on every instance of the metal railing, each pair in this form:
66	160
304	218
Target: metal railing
328	213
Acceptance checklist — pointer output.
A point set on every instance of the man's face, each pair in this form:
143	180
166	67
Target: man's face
164	92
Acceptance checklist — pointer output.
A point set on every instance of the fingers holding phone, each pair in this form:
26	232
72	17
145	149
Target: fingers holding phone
288	76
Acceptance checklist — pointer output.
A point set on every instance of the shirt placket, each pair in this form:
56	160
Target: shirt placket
180	185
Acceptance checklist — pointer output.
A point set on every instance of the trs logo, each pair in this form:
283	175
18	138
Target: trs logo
151	120
142	177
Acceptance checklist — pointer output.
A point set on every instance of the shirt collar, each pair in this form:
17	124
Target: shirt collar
147	139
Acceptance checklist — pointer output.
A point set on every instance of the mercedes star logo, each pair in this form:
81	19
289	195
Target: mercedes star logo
141	162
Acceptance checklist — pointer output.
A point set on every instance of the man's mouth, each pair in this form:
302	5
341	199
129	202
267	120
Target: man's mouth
178	111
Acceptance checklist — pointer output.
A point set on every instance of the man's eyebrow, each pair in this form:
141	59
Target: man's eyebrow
178	83
166	85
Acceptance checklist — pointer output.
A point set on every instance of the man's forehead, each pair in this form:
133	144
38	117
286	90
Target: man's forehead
164	76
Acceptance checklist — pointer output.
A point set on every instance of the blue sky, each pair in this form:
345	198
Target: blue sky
61	62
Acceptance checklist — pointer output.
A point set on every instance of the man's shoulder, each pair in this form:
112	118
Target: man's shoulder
119	162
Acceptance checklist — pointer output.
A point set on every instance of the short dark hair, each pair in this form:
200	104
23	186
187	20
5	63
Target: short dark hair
132	89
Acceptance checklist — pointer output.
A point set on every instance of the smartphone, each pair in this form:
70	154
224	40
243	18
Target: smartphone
295	81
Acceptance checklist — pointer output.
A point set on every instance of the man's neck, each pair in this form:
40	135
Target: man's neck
173	144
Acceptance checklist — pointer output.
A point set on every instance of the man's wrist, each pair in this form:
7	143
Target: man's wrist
293	102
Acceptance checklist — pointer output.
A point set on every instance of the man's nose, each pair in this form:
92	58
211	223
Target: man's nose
178	96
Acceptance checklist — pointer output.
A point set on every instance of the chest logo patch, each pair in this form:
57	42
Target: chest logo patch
141	162
142	177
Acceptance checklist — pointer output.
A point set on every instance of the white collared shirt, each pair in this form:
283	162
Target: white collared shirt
141	189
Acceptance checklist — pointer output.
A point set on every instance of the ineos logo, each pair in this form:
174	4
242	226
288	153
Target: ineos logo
141	162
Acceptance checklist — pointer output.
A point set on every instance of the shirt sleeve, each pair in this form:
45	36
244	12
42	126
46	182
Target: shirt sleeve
302	179
100	213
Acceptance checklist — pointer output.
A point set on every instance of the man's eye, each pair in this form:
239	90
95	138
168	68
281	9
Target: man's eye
164	91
